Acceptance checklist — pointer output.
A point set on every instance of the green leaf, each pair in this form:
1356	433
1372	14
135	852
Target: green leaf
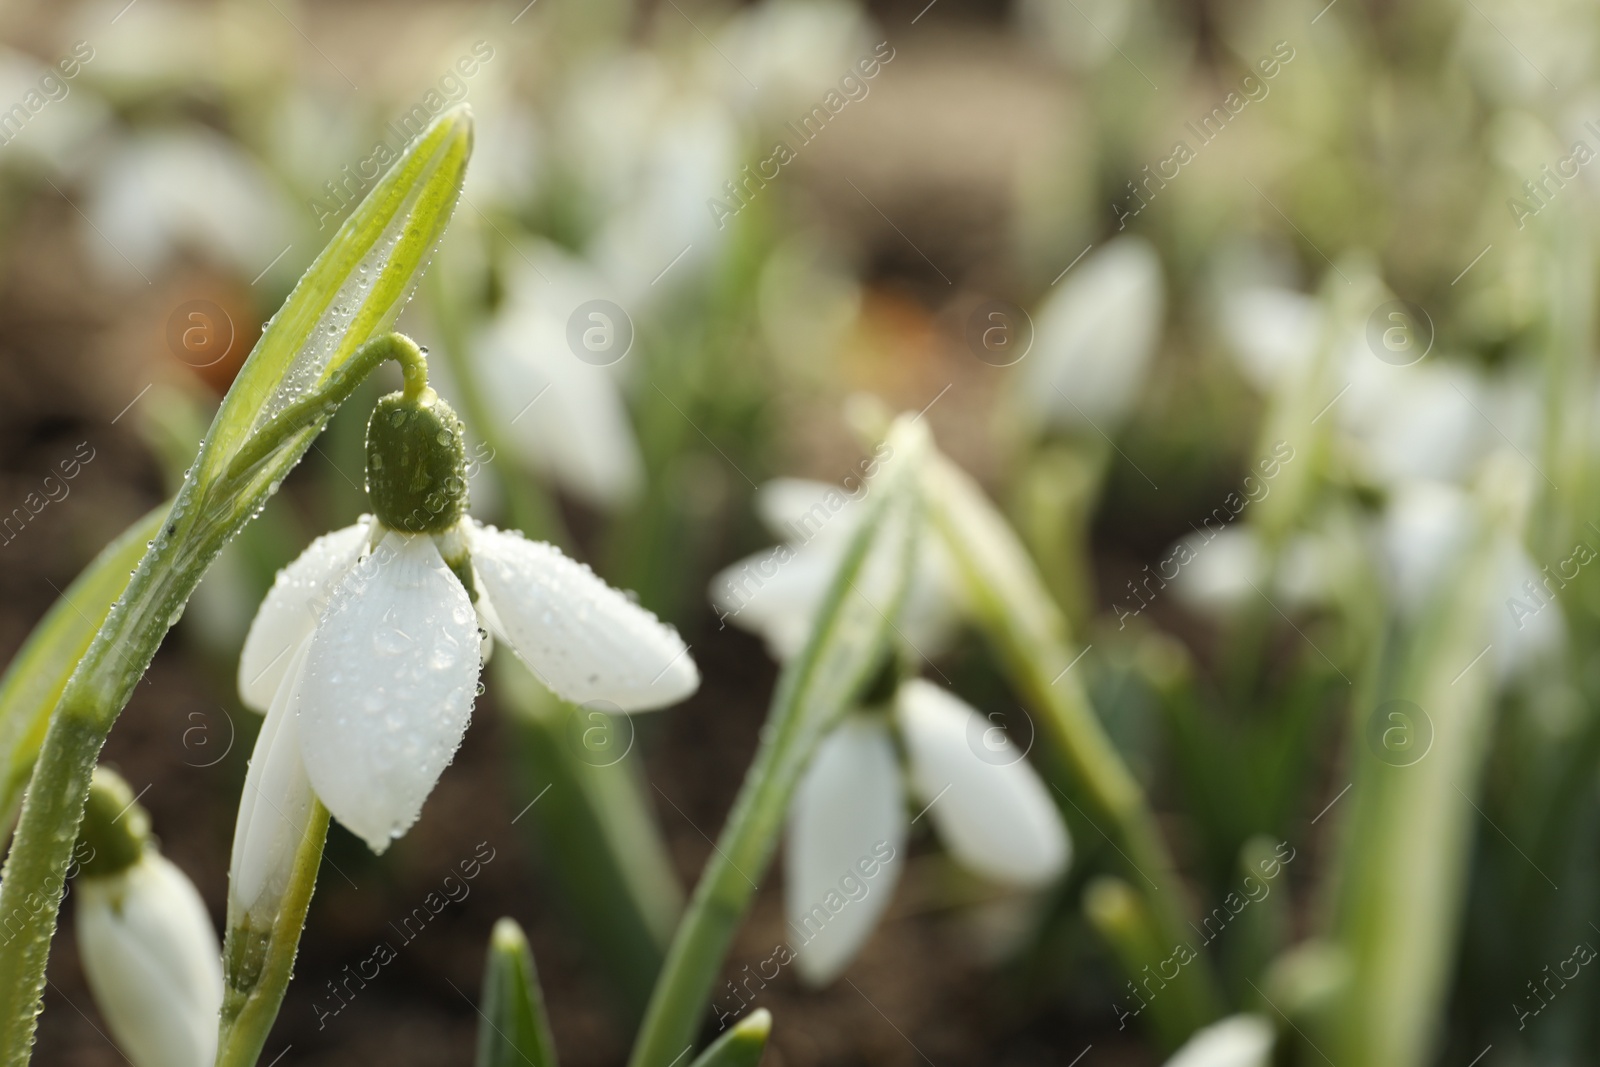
38	674
742	1046
848	640
512	1028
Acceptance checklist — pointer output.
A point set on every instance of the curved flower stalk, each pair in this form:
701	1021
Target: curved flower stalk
1237	1041
313	353
148	947
849	637
365	657
848	821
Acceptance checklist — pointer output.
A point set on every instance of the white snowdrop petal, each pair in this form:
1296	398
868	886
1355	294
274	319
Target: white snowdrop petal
153	963
583	639
290	611
275	805
800	509
991	810
1237	1041
847	833
1094	336
776	593
388	687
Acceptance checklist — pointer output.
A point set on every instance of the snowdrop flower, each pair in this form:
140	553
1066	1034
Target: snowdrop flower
1272	333
848	821
1426	532
365	654
558	399
776	593
1094	337
650	145
148	947
161	192
795	50
1237	1041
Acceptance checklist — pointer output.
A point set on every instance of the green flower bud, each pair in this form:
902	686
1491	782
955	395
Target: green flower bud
114	828
416	463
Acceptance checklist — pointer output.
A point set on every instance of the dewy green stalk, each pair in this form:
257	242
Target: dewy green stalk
276	406
848	639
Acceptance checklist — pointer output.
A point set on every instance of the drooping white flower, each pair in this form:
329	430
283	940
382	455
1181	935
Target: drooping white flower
777	593
144	935
1094	337
848	820
162	192
366	652
1237	1041
1272	332
557	394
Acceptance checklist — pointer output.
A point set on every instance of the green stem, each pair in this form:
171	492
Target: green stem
258	962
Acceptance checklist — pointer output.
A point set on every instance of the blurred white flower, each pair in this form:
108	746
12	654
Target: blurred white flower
367	648
564	415
159	193
1271	332
1425	528
153	962
793	51
649	146
69	122
987	804
1221	566
776	593
1426	421
1237	1041
1094	337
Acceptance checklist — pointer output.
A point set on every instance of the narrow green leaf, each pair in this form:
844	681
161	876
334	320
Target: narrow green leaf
848	640
512	1028
742	1046
33	683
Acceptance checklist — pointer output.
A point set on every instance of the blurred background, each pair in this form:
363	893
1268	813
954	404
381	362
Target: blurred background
1269	325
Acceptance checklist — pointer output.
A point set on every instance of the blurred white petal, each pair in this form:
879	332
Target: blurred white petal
583	639
1237	1041
1221	565
153	962
291	609
1425	529
992	811
1094	337
185	189
563	415
1528	624
1272	333
388	687
849	809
